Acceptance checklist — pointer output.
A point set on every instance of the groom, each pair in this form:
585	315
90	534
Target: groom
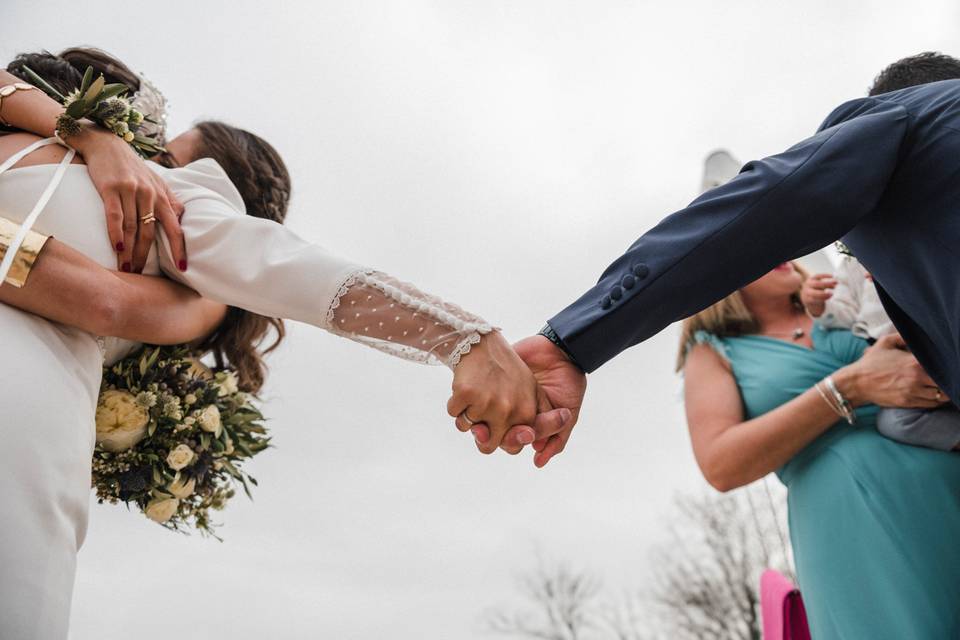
882	172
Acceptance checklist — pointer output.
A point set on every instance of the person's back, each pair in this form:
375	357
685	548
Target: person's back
908	242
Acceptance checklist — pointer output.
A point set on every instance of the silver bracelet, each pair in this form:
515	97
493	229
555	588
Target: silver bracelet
828	399
846	409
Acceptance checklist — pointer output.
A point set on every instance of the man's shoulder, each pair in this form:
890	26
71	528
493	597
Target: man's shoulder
917	102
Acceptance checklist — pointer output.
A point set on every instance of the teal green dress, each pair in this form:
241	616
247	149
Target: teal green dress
875	525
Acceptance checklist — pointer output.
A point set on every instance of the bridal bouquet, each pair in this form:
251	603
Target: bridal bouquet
172	437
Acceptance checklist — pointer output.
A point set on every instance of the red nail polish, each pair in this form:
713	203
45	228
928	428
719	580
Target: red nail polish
183	265
125	267
119	247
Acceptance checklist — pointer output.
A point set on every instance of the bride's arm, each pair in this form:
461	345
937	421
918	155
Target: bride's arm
264	267
68	287
121	177
733	452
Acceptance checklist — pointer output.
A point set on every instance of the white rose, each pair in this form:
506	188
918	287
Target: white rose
180	457
228	449
190	399
162	509
228	383
121	422
209	420
182	489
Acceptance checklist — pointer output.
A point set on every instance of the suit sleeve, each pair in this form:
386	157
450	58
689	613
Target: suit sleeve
777	209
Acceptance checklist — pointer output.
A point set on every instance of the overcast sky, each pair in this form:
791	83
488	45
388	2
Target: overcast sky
497	153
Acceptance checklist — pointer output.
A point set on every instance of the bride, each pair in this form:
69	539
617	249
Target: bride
243	273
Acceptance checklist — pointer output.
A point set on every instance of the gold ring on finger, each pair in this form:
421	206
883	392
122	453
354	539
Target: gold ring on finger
467	419
939	395
148	218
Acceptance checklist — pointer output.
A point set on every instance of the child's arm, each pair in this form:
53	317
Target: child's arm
841	309
932	428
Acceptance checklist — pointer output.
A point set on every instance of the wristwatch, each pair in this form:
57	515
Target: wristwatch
551	335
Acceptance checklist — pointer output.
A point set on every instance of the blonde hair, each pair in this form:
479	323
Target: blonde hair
728	317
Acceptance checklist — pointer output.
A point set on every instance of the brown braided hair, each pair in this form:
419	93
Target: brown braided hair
254	167
261	177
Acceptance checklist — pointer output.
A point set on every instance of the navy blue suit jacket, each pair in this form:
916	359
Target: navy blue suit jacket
882	173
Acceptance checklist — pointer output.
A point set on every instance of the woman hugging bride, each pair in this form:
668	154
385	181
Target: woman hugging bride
86	283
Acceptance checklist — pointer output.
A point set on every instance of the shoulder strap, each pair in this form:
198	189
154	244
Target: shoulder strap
776	522
31	218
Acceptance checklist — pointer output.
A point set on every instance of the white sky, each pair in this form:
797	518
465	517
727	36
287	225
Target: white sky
497	153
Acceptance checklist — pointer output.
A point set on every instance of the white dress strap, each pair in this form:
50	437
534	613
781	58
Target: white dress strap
31	218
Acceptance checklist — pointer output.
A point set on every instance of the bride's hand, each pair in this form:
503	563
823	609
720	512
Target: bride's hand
130	190
493	390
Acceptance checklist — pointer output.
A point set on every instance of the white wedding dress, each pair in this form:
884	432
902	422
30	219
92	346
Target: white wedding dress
52	372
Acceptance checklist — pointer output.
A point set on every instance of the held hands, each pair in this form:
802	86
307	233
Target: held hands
130	191
510	398
817	289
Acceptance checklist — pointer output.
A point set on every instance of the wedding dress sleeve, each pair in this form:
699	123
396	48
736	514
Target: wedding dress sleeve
263	267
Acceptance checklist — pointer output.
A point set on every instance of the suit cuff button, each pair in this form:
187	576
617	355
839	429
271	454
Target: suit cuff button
616	293
605	302
628	281
641	270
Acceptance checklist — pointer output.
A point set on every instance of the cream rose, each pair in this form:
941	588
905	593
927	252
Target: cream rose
121	421
182	489
209	420
180	457
162	509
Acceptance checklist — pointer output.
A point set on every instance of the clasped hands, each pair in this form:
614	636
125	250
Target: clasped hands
509	397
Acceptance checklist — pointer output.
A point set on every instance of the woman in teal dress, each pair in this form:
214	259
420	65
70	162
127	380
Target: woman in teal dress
873	523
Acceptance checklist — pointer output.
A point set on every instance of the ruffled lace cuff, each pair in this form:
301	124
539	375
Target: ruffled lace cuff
382	312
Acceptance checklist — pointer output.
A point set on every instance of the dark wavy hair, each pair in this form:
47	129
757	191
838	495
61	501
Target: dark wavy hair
929	66
254	167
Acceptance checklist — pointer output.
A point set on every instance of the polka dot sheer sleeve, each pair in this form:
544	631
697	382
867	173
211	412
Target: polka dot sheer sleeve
395	317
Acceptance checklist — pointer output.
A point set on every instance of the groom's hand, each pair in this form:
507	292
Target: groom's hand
560	389
563	384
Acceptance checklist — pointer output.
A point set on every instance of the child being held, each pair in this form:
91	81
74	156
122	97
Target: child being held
849	300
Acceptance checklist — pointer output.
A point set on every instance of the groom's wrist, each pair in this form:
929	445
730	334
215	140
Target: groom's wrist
551	335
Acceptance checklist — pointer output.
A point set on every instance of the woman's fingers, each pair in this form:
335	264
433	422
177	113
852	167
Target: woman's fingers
128	199
114	210
169	212
171	227
145	229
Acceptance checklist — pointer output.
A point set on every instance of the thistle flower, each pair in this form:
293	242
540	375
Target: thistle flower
113	109
67	126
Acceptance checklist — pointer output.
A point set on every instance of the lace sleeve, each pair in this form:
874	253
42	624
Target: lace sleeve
382	312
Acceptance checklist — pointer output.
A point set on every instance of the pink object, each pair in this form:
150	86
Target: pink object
781	608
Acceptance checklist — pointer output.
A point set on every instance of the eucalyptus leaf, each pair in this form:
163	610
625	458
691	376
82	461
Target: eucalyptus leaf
91	94
87	79
43	85
112	90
